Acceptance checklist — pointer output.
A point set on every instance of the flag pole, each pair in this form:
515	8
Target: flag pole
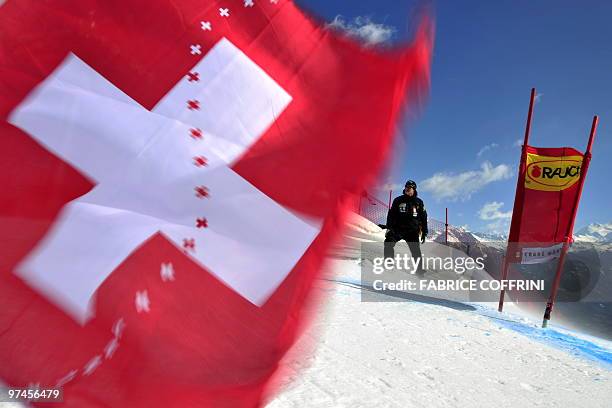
568	239
517	210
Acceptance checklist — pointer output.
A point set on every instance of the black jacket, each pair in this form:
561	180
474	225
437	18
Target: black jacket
407	214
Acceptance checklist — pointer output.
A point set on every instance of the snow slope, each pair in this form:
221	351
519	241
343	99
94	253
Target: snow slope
426	352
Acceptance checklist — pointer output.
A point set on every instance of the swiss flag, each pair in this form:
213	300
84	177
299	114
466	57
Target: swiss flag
172	174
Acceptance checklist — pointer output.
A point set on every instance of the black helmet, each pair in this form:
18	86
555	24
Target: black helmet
411	183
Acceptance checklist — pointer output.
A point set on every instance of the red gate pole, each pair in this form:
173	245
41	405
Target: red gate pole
390	192
446	226
568	239
517	209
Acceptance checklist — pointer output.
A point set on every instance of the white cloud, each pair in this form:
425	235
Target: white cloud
451	186
364	29
500	226
491	211
485	148
518	143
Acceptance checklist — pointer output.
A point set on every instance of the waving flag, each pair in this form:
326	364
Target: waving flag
171	171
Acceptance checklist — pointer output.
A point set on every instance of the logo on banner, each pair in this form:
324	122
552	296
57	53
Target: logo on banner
548	173
540	254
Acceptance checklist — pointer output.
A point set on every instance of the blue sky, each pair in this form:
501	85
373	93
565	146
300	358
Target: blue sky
489	54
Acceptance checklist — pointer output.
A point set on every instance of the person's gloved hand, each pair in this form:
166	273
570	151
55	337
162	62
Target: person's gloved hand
423	236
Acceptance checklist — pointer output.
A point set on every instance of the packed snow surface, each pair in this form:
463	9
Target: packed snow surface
426	352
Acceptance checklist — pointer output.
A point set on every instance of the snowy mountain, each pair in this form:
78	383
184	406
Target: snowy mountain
455	234
489	236
460	234
595	233
592	233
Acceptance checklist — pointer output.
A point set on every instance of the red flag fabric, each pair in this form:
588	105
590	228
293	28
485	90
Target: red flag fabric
548	193
129	279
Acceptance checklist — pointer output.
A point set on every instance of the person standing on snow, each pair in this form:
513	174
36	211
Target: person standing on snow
407	220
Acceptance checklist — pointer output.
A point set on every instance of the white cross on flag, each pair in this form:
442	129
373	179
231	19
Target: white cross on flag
168	178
